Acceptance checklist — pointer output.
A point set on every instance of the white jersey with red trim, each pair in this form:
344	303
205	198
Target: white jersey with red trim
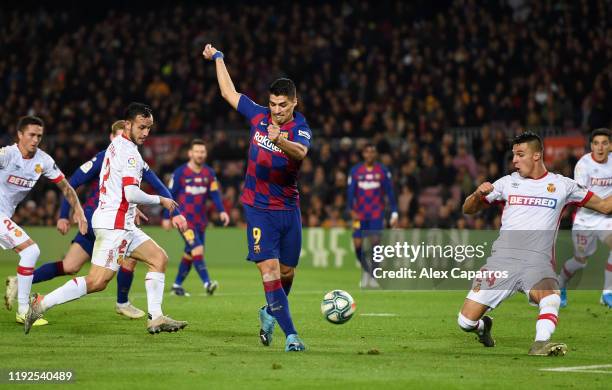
18	175
597	177
532	212
122	166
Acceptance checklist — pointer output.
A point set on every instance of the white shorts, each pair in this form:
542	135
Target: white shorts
521	277
585	238
113	246
11	234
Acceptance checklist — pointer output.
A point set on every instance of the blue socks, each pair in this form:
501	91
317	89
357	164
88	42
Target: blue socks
278	305
200	266
48	271
183	271
124	283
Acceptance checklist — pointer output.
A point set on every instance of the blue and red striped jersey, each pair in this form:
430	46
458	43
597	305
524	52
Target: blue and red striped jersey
367	187
271	176
191	190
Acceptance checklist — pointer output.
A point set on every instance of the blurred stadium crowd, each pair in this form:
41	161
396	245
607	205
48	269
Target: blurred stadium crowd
439	87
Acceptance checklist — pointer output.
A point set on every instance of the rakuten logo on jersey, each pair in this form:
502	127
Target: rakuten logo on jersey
368	185
265	143
21	182
195	190
537	201
601	181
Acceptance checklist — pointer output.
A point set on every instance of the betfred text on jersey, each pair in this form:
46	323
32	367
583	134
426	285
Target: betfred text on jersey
522	200
21	182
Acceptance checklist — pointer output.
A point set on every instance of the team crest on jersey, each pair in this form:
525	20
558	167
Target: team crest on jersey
284	134
38	168
18	233
551	187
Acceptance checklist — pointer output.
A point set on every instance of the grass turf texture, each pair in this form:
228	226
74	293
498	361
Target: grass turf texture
420	347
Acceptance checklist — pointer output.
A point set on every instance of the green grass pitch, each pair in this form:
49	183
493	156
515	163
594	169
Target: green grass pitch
417	345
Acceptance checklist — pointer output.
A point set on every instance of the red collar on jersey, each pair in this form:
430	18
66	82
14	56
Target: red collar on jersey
541	177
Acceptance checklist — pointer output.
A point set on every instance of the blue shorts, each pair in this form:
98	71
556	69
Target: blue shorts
86	241
368	227
194	238
274	234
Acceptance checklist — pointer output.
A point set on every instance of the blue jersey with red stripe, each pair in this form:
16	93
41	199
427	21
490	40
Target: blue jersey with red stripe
90	173
367	187
271	177
191	189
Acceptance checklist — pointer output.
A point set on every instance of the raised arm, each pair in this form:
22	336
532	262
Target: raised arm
474	202
228	91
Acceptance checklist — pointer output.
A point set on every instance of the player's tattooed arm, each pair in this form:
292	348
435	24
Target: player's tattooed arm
598	204
474	202
294	150
72	198
228	91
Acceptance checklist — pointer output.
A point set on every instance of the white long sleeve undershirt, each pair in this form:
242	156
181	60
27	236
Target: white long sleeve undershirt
133	194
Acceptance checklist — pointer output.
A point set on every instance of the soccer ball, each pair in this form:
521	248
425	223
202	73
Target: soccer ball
338	306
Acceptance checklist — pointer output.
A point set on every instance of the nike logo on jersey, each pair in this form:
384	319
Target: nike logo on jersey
262	123
521	200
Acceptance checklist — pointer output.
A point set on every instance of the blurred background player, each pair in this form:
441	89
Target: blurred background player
21	165
81	248
593	171
191	185
279	141
368	183
117	235
533	201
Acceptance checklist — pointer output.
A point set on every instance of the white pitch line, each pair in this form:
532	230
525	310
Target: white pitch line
585	369
378	314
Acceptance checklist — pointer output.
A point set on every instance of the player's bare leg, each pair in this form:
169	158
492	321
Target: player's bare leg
546	294
74	259
96	280
157	260
127	309
472	319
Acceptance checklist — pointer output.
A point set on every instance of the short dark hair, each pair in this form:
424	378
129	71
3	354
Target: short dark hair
135	109
368	145
283	87
531	138
602	131
25	121
196	141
